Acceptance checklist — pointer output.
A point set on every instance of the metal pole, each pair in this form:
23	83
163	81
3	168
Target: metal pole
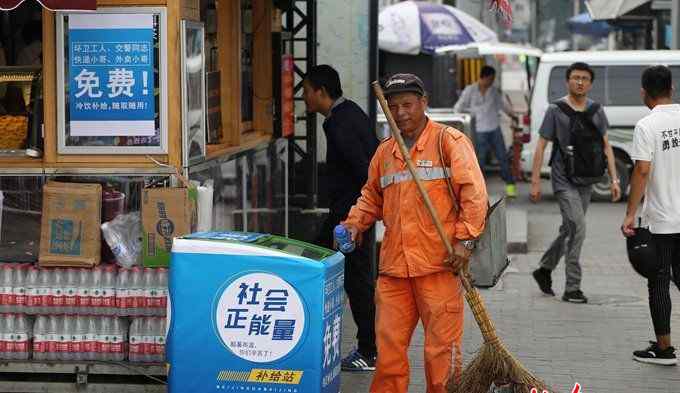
534	22
577	10
313	185
675	23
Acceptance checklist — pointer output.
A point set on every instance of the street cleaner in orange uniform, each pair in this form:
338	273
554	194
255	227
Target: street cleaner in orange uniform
416	279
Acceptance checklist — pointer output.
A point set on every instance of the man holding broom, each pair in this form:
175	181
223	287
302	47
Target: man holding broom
416	279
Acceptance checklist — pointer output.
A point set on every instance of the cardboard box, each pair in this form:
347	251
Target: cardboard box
70	233
166	213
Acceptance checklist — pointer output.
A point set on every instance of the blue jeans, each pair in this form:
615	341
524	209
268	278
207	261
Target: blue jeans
494	140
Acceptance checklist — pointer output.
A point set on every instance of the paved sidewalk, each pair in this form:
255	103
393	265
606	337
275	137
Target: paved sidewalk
564	343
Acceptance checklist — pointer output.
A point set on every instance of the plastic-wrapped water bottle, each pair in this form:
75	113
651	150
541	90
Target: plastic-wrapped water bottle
4	335
33	299
159	341
92	348
71	292
6	293
136	291
19	288
344	239
10	329
45	288
136	341
148	337
123	291
96	296
64	337
105	336
80	339
52	337
40	328
58	286
109	290
22	338
84	287
162	291
118	340
149	292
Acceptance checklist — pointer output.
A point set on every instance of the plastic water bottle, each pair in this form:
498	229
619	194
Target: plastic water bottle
149	291
45	287
19	288
148	337
96	291
109	290
3	337
33	300
64	337
159	341
136	291
136	341
22	338
52	337
92	343
123	291
135	346
58	286
105	333
118	340
10	327
71	291
344	239
40	329
162	291
80	339
6	278
83	299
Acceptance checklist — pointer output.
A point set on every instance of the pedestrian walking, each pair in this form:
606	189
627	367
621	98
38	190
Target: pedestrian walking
351	144
656	151
485	102
415	280
577	127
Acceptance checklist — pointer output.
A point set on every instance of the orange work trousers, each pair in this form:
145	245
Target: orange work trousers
437	300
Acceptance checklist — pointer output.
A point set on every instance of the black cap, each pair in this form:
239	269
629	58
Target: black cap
403	83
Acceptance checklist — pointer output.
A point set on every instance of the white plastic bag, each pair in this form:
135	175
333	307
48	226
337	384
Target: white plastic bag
123	234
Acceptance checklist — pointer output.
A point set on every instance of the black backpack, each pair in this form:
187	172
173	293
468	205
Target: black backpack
581	146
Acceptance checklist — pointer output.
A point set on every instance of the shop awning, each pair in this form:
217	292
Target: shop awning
7	5
612	9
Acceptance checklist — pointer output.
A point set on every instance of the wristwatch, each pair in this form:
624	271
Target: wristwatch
469	244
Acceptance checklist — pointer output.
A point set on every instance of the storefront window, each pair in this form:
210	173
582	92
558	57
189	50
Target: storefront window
20	70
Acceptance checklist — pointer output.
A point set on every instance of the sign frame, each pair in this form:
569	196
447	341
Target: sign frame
63	148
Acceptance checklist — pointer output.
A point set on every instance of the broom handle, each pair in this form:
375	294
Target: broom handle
428	203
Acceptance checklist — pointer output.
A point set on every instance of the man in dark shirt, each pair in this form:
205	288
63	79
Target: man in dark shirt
351	144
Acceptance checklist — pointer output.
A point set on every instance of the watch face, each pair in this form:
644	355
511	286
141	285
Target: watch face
165	227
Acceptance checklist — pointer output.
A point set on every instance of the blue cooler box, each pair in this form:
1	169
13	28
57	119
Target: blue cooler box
254	312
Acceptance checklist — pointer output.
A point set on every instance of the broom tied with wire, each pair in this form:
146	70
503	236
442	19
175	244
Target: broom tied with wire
493	362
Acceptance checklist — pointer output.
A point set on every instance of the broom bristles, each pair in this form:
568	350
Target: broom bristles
495	363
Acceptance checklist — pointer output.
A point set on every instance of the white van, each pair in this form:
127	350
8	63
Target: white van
616	87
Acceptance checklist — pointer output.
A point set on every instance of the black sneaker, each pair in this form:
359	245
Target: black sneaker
574	297
355	361
654	355
542	277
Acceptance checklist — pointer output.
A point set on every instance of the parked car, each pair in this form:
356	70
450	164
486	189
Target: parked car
616	87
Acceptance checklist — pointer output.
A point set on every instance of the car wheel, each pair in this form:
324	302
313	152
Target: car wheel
601	190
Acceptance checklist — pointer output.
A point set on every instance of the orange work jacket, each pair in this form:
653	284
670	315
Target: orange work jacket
411	246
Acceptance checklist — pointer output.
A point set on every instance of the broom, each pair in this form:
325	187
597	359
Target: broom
493	363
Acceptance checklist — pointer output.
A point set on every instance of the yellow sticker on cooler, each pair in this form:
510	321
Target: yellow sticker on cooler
288	377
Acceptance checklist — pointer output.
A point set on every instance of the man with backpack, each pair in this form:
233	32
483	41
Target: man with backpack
577	127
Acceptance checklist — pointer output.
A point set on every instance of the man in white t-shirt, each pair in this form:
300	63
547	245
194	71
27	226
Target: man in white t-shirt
656	151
